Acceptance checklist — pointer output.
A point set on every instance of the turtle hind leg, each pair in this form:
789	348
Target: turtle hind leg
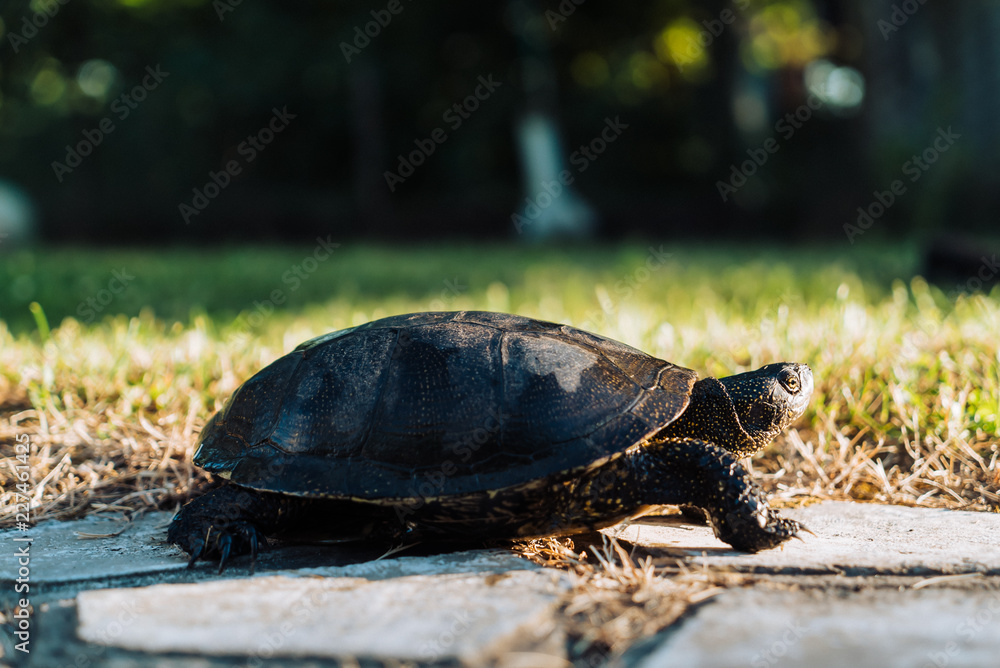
229	521
692	472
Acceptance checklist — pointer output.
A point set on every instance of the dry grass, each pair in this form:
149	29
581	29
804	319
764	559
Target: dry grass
908	413
617	600
905	409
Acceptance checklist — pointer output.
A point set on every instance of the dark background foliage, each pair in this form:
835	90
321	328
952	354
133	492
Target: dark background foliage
703	87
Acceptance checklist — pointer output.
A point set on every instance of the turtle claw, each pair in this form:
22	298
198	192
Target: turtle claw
197	548
801	528
225	545
258	544
206	538
253	552
757	532
782	529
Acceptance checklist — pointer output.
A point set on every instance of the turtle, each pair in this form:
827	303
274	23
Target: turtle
477	425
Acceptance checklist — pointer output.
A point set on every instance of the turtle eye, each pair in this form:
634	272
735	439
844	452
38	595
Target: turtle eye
790	381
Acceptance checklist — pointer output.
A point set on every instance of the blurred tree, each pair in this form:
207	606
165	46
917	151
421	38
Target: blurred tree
553	209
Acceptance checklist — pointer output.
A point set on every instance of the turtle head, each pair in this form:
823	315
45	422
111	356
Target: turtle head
743	413
769	399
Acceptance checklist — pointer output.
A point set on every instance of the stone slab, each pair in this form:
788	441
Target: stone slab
821	628
61	553
850	538
470	618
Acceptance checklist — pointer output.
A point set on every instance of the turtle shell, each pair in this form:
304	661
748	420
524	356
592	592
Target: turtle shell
467	401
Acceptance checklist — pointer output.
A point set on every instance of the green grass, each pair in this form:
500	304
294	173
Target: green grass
905	409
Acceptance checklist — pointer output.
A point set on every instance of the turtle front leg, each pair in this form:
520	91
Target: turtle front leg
229	521
692	472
